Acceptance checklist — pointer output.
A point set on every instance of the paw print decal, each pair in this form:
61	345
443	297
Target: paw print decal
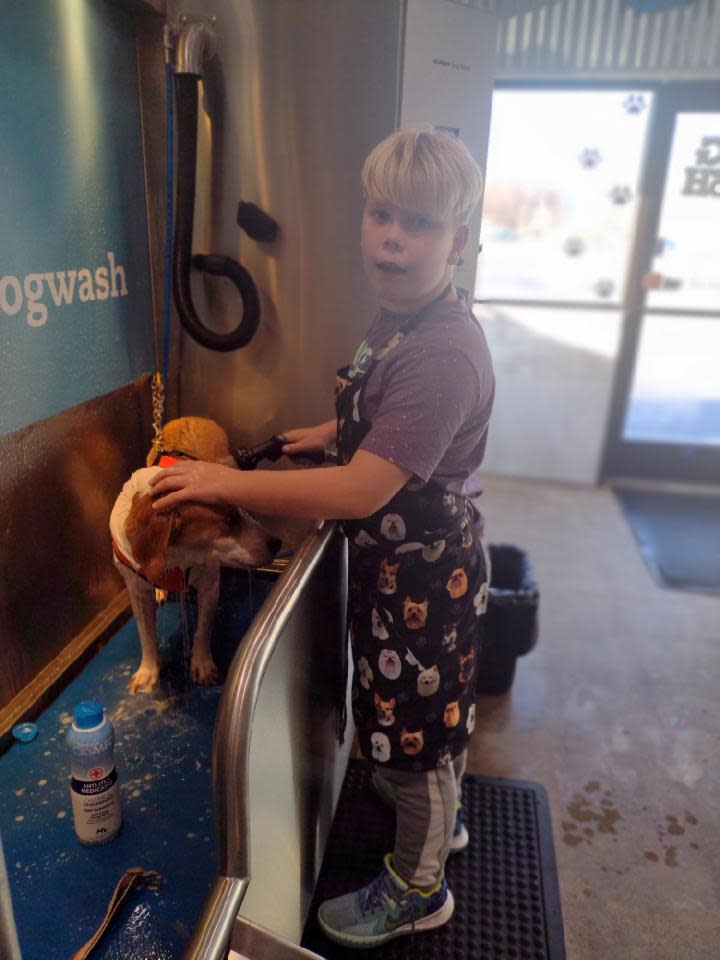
590	158
621	195
604	288
574	246
634	103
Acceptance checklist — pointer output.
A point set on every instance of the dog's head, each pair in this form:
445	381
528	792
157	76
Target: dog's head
384	710
451	717
415	613
194	533
467	665
457	584
428	681
412	741
201	438
389	663
387	577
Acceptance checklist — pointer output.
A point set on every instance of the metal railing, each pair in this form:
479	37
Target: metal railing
9	946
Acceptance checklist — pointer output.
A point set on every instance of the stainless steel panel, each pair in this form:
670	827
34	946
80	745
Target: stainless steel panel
252	942
297	95
277	766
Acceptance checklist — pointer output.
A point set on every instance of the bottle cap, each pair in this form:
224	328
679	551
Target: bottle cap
88	714
25	732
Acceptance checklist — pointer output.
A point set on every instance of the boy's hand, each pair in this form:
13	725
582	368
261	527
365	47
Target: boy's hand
191	480
304	440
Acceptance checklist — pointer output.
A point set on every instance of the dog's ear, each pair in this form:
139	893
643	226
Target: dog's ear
148	533
189	514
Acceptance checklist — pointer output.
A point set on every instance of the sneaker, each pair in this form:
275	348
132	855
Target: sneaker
386	908
460	837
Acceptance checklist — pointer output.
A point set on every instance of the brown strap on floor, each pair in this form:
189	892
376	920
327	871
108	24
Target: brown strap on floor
130	880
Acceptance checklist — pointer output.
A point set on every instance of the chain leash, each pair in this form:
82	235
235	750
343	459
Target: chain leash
158	408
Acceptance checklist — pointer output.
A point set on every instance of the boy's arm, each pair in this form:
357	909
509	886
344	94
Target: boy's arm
352	491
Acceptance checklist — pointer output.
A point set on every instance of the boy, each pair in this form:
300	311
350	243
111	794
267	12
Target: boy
412	413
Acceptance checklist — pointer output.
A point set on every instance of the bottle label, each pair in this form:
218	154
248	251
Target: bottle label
92	749
96	805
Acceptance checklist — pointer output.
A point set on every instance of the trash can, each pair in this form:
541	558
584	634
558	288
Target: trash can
511	621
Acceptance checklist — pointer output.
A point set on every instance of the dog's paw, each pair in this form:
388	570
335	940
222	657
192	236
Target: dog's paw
144	680
160	597
204	671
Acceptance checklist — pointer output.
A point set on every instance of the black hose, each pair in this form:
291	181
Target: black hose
186	97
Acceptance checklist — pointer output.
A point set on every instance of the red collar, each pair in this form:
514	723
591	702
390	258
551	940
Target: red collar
171	580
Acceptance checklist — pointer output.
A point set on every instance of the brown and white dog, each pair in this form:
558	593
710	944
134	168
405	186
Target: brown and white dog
182	547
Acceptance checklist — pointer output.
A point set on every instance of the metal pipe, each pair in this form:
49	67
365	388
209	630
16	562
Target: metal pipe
210	939
194	44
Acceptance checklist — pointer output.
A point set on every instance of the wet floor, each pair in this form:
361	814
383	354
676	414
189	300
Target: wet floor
60	888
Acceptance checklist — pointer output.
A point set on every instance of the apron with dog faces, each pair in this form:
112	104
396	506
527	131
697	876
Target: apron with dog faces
417	592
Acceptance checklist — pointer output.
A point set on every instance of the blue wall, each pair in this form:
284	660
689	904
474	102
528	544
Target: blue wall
75	307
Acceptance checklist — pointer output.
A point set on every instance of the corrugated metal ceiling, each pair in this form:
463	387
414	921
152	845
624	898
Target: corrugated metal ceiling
612	39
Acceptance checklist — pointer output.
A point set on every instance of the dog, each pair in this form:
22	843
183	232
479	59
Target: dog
365	673
389	664
387	577
392	527
412	741
380	747
467	666
428	677
181	547
451	717
457	584
384	710
415	613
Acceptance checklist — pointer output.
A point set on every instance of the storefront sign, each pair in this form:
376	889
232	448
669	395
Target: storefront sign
703	179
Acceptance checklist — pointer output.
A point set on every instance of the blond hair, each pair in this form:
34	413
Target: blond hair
426	171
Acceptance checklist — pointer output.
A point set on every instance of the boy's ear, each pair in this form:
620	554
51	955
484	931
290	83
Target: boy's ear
459	243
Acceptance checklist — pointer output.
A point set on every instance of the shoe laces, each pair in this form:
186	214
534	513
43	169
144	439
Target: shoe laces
377	893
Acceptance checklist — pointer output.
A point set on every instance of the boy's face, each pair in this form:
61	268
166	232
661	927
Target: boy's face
407	256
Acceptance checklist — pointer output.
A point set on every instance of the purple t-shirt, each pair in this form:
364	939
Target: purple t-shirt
429	400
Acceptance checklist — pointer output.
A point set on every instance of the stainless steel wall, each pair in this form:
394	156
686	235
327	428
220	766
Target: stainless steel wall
298	94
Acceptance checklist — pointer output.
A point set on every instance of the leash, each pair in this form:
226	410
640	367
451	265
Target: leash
132	879
162	352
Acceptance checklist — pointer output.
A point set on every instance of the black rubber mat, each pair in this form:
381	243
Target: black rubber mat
507	901
678	536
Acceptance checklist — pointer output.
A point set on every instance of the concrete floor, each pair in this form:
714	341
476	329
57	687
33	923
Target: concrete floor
616	712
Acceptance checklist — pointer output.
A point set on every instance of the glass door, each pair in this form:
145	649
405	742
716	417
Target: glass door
665	420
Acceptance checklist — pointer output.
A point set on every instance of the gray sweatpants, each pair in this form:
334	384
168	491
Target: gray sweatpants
426	805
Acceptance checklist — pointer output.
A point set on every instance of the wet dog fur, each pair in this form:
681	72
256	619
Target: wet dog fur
194	536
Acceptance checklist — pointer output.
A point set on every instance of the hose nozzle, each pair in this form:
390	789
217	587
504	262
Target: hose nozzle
247	458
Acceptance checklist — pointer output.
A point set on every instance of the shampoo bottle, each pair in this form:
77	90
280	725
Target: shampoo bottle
94	784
